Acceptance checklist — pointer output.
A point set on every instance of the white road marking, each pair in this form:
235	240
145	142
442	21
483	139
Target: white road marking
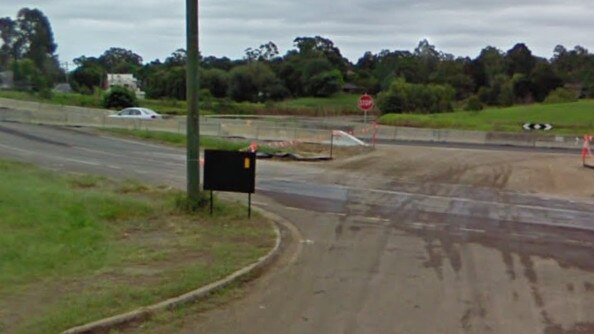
472	230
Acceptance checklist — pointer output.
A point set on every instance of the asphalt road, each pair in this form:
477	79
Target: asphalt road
414	258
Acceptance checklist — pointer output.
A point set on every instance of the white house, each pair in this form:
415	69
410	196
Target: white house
124	80
6	80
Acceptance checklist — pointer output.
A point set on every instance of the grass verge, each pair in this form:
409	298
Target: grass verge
76	248
574	118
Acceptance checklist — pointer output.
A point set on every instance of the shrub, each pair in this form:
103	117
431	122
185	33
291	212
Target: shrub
119	97
473	104
561	95
404	97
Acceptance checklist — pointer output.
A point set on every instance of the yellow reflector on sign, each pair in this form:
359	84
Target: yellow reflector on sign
246	163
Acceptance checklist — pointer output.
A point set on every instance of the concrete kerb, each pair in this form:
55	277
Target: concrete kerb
145	313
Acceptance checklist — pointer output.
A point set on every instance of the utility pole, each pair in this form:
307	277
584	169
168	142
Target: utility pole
66	66
193	120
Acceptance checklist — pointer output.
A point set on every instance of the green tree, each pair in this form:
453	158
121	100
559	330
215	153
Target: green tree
165	82
222	63
216	81
253	82
428	60
404	97
266	52
519	59
522	88
119	97
31	37
36	37
506	96
491	62
544	80
8	36
88	75
27	76
178	58
84	79
316	47
575	67
325	83
119	60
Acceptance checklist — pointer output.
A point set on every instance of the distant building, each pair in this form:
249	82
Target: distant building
63	88
124	80
6	80
352	88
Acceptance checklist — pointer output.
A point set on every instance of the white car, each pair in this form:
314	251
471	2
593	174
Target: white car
137	113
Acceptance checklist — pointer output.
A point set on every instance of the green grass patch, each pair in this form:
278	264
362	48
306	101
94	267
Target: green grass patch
567	118
76	248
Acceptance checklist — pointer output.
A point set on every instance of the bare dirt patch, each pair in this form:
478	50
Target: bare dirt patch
542	173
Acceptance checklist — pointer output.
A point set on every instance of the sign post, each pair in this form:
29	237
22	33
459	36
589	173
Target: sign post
365	103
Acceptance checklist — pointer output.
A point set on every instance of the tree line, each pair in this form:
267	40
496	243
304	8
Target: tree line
423	80
27	47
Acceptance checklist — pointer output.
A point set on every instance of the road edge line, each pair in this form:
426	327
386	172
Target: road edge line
144	313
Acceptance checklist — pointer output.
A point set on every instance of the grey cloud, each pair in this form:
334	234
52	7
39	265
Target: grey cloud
155	28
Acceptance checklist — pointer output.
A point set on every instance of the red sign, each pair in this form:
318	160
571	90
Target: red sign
366	102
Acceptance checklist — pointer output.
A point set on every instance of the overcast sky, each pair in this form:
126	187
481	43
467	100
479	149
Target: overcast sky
156	28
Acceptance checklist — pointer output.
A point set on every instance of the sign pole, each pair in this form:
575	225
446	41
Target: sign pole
374	140
249	205
211	203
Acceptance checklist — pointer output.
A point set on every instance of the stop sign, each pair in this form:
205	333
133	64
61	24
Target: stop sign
365	102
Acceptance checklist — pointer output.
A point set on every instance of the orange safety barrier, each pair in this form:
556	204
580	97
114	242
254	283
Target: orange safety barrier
253	147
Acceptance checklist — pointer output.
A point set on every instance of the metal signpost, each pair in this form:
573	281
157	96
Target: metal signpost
366	103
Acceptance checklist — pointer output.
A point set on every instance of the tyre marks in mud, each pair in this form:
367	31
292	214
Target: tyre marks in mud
450	228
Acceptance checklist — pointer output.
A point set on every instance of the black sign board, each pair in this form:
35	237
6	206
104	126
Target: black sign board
230	171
